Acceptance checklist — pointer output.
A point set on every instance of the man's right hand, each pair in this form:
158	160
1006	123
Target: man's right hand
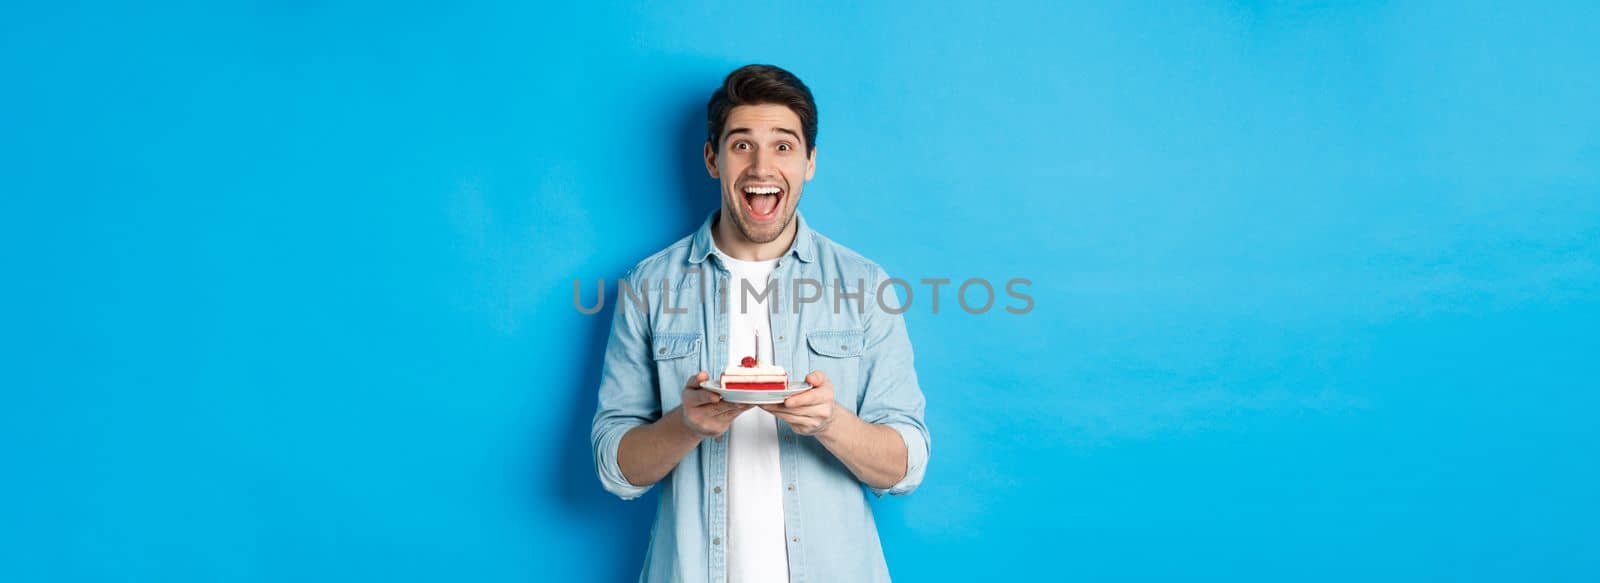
704	412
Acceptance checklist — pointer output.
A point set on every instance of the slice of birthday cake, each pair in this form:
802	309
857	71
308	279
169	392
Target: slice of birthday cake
752	375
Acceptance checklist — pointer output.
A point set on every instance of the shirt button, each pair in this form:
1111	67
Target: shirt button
789	438
795	539
718	439
780	339
722	338
791	487
716	541
843	347
717	489
662	351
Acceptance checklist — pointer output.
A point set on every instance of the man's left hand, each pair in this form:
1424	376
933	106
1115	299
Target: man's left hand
808	412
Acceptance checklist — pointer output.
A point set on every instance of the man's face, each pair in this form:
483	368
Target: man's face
763	166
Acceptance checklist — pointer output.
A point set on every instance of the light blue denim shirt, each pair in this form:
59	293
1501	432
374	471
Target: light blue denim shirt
858	340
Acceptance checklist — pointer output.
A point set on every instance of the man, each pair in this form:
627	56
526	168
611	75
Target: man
757	493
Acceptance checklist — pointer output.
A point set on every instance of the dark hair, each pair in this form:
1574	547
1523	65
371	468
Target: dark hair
756	85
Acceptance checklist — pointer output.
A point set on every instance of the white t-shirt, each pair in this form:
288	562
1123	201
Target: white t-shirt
756	550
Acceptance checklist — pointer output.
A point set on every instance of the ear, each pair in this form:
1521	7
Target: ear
711	161
811	164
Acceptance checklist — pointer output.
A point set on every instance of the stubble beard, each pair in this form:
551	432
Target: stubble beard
754	234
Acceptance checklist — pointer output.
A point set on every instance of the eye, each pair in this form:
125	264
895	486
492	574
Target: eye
784	147
741	145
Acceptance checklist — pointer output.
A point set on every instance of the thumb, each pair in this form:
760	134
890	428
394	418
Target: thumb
694	381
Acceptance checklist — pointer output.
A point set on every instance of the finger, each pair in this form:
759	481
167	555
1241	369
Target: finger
700	398
816	378
694	381
711	399
787	417
807	398
801	424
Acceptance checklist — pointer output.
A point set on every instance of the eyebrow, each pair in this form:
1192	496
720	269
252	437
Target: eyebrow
748	131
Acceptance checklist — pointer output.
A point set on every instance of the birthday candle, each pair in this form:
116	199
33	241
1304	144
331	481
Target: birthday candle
761	349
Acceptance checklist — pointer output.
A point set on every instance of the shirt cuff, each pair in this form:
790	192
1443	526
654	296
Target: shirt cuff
605	464
916	461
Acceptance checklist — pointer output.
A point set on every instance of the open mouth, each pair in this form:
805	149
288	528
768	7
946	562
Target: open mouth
763	201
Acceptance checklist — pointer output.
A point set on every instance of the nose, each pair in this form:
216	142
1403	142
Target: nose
760	165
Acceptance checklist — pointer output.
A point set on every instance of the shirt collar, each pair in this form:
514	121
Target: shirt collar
804	246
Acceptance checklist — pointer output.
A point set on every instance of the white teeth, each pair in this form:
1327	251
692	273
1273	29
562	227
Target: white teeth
761	189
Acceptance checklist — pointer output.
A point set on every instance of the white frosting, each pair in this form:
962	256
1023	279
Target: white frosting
760	369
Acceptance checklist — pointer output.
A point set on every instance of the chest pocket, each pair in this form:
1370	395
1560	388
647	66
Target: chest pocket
837	353
676	356
674	345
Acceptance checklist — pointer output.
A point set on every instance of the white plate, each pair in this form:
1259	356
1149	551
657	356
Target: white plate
748	397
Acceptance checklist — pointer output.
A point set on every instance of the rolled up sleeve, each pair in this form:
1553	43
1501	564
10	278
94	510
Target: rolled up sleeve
627	397
892	396
916	439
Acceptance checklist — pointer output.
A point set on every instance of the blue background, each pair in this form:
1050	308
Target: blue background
288	285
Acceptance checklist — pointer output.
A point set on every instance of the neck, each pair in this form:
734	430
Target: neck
731	241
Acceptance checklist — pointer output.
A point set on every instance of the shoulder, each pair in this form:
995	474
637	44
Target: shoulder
659	264
845	261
